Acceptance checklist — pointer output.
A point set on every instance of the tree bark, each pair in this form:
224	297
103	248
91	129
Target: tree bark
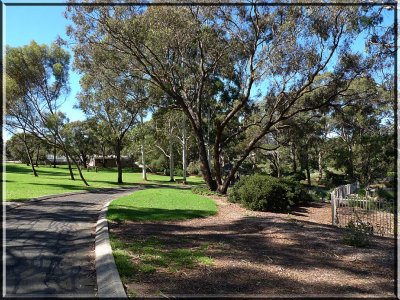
171	155
84	160
37	156
54	156
69	167
293	152
29	155
320	166
144	173
307	165
184	165
118	160
79	171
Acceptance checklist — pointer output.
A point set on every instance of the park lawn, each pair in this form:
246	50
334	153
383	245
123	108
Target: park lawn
146	255
22	185
161	204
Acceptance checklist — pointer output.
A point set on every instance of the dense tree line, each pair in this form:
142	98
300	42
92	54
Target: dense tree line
275	89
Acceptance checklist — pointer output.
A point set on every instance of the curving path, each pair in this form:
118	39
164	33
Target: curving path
50	245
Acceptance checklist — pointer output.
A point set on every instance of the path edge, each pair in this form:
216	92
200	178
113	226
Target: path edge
10	205
109	283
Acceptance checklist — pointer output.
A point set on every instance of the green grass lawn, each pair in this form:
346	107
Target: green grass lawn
161	204
142	256
22	185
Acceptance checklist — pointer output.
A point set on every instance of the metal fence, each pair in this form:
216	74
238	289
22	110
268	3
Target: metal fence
346	207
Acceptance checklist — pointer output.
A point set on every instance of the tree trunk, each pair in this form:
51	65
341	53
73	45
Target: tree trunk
171	155
29	155
293	153
184	152
79	171
103	152
37	156
118	160
320	166
84	160
350	167
54	156
69	167
144	173
307	165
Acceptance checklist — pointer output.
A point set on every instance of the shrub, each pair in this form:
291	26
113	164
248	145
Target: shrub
194	168
204	191
267	193
357	234
335	179
296	176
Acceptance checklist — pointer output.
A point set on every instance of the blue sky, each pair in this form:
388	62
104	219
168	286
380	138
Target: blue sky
42	24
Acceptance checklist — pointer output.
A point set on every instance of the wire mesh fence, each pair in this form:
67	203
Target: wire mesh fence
377	214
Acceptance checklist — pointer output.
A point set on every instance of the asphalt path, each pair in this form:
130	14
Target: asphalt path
49	245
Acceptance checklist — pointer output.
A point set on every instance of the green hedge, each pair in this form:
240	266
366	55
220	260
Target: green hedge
267	193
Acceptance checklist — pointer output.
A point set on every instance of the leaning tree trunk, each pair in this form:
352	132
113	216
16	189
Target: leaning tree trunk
29	155
79	171
118	154
71	174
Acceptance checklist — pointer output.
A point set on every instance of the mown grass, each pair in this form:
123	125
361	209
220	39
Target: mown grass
139	258
160	204
21	185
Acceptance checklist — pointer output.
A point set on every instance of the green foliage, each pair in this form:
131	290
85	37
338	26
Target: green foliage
296	176
194	168
161	204
267	193
357	234
385	194
204	191
335	179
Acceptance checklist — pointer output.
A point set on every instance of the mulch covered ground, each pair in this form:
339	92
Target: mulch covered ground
266	254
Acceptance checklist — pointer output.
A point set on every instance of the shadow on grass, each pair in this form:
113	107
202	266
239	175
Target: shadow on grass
119	213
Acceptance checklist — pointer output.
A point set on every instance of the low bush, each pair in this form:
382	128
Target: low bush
357	234
335	179
267	193
204	191
194	168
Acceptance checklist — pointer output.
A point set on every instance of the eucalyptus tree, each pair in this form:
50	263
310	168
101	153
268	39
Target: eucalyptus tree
112	97
270	53
40	75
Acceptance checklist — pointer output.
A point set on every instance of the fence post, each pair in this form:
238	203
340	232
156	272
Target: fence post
333	205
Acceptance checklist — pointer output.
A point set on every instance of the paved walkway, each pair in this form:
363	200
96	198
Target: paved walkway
50	245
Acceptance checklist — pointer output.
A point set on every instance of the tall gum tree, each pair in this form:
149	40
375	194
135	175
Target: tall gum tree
257	53
41	74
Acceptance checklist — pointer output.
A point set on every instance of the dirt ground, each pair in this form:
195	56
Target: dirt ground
267	254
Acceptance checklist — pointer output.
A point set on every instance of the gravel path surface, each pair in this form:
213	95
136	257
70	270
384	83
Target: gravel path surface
50	245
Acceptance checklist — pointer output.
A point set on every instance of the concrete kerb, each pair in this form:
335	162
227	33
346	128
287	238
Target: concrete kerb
108	281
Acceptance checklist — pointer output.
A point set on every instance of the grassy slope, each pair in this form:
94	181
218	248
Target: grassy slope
22	185
161	204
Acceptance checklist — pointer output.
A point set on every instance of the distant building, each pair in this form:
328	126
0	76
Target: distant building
111	162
